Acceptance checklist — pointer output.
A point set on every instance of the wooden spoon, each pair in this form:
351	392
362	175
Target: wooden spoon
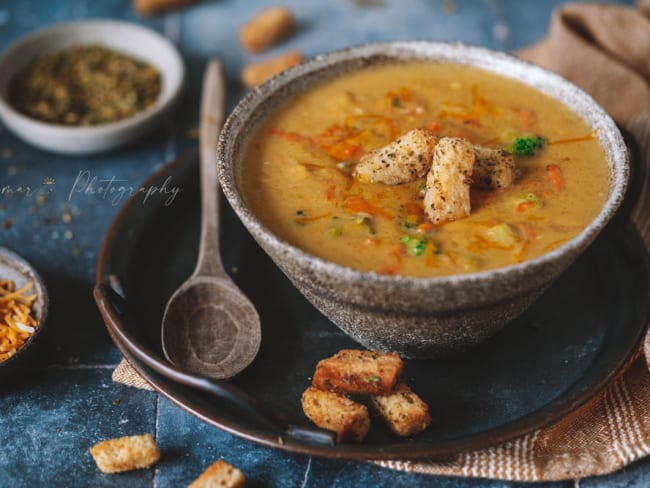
209	326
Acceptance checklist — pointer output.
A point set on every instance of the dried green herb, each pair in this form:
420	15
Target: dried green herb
85	85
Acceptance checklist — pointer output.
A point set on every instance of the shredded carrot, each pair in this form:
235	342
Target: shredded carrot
16	322
372	241
555	175
426	227
306	220
391	269
330	193
527	231
357	204
519	254
413	208
289	136
397	251
479	104
592	135
523	206
435	127
555	244
473	122
429	252
528	118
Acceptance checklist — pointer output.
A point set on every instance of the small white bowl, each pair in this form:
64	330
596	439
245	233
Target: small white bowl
132	39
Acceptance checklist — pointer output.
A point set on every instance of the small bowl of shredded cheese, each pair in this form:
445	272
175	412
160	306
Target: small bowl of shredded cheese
23	307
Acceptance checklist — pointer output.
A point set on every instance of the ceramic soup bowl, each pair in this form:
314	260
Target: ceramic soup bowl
415	317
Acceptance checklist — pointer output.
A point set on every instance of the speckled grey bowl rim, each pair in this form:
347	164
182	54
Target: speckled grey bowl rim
319	68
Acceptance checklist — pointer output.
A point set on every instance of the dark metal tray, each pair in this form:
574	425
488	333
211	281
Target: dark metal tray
548	362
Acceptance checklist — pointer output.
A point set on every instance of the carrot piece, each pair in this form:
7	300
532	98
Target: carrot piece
354	151
588	137
289	136
527	118
397	251
555	175
372	241
473	122
306	220
528	231
330	193
435	127
523	206
426	227
391	269
357	204
429	251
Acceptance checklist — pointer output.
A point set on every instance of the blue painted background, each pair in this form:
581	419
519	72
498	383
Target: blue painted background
67	401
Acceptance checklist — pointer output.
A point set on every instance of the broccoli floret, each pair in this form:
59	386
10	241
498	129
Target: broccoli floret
527	145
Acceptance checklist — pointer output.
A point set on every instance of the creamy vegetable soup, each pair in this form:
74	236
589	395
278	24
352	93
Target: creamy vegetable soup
425	169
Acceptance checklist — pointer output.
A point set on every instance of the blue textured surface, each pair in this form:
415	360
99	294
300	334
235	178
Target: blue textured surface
67	401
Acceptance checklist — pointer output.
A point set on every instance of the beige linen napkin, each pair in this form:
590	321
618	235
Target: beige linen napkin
605	50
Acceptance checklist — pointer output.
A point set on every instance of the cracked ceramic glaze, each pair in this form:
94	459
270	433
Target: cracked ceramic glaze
416	317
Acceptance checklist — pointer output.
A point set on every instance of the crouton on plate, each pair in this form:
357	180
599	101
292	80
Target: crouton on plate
403	411
358	371
347	418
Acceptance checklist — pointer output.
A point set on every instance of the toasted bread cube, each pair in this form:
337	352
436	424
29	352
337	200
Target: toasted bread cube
151	7
446	196
493	168
357	371
347	418
405	159
403	411
267	28
255	73
125	453
220	474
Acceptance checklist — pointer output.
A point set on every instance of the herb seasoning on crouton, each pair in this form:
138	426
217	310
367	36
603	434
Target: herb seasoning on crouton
358	371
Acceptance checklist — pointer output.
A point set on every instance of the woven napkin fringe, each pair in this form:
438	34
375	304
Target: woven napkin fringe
127	375
608	433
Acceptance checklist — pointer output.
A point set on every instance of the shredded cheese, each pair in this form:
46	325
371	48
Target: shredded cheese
16	321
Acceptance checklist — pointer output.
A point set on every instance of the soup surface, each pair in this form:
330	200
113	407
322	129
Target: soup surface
298	171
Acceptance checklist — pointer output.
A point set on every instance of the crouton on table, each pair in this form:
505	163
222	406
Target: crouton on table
220	474
125	453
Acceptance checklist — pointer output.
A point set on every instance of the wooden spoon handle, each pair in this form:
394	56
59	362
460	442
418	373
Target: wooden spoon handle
212	110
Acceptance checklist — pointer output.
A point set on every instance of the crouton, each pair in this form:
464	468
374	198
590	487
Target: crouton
220	474
403	411
255	73
446	194
125	453
403	160
152	7
347	418
357	371
493	168
267	28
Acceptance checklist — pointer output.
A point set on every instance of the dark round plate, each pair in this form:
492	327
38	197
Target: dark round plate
548	362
